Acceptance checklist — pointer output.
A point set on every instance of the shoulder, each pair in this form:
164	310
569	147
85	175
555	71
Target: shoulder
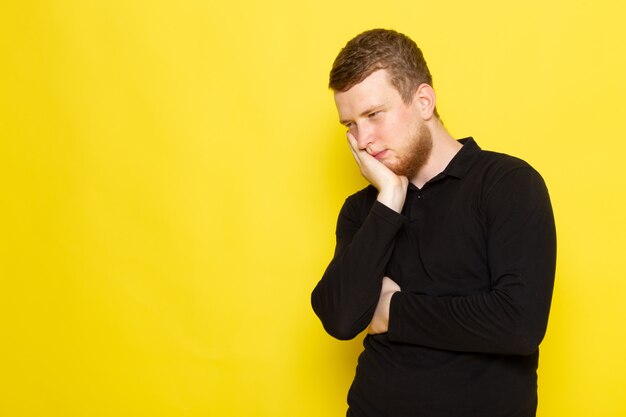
496	169
355	209
363	196
496	163
511	187
360	203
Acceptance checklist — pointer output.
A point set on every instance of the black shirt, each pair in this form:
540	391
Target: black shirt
474	253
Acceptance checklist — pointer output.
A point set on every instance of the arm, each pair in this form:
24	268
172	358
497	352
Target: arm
380	321
512	317
347	295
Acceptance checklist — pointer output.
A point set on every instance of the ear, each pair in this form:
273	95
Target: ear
425	101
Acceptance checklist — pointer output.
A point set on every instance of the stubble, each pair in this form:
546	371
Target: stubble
415	154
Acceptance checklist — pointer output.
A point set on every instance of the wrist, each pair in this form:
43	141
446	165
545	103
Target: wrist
393	196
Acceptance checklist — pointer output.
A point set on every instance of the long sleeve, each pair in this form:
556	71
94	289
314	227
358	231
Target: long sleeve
346	296
511	317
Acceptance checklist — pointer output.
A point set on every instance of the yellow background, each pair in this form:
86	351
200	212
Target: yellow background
171	173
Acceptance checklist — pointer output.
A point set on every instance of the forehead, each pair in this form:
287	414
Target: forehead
374	90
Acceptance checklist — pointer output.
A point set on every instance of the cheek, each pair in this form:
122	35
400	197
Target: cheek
406	118
393	131
387	127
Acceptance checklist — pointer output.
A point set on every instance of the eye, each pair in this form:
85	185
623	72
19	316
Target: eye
373	114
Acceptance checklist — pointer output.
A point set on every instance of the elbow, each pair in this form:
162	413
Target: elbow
341	330
520	329
521	346
337	323
522	341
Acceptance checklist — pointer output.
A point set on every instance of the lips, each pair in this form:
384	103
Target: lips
380	155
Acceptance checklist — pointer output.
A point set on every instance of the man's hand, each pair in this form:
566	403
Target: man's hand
391	187
380	321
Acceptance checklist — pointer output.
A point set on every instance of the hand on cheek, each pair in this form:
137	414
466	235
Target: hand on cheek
391	187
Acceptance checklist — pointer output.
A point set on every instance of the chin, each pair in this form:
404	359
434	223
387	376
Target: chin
394	168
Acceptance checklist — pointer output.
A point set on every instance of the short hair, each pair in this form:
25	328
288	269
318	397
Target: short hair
377	49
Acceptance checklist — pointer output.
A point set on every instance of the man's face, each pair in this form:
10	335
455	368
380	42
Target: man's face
382	124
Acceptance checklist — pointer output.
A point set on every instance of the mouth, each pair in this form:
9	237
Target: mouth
380	155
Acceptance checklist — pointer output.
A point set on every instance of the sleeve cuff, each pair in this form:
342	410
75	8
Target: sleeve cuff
387	214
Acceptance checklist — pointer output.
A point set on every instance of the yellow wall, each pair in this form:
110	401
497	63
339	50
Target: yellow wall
171	174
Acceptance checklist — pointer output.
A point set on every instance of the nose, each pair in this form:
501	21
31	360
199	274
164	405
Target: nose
365	136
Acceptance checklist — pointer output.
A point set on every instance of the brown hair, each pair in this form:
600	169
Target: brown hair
381	49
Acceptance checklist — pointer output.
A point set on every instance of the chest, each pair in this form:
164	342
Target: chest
442	247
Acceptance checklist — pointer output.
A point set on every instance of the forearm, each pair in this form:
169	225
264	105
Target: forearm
493	322
346	297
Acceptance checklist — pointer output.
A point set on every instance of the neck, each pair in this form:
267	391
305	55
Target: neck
444	148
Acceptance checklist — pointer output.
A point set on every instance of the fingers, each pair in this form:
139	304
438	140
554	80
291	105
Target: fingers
389	285
354	147
363	159
392	189
352	140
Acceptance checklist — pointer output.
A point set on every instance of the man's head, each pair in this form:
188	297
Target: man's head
381	49
384	97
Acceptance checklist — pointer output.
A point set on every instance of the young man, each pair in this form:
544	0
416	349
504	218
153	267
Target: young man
447	258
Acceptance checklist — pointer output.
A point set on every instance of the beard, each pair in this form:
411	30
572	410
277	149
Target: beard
415	154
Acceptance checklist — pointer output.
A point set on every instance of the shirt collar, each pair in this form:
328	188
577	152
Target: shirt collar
464	158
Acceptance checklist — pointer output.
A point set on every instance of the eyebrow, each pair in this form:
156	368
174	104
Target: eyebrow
364	113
